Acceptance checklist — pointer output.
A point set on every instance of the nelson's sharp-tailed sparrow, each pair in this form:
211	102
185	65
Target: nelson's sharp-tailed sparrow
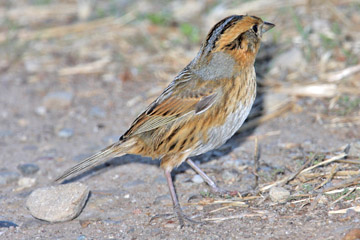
203	106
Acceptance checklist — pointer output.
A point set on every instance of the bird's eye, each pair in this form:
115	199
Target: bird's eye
255	28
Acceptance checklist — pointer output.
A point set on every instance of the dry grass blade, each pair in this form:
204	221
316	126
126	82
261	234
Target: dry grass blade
312	90
219	209
316	90
345	173
315	202
61	31
245	215
310	160
87	68
342	211
340	190
339	75
256	162
289	178
302	200
348	183
329	177
333	159
342	197
234	203
350	161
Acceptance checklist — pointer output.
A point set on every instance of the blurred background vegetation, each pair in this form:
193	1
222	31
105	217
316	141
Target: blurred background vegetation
313	51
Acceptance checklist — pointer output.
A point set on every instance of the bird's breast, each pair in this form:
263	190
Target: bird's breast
225	119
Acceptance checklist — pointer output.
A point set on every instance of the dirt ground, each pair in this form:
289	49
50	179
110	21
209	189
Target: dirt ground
75	74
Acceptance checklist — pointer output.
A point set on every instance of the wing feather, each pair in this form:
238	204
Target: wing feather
182	97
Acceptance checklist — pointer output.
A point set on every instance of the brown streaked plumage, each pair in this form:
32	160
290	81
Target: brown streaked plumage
201	108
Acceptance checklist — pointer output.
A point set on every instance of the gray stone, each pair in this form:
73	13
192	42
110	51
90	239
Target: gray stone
81	237
7	177
134	183
354	150
26	182
58	203
41	111
66	133
7	224
97	112
57	100
279	194
28	169
197	179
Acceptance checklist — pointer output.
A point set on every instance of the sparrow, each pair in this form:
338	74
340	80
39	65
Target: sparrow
200	110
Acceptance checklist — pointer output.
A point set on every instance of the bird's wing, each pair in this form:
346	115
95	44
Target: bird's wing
185	95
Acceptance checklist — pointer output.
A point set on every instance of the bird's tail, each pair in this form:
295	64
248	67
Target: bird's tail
115	150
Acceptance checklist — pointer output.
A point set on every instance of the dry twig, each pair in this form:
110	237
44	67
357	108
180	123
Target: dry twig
329	177
256	162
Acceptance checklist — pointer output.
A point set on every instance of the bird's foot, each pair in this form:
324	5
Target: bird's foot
179	214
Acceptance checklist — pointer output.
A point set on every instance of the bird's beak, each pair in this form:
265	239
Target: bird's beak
267	26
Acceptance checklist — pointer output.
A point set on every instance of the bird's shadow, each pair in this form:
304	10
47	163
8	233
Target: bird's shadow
262	67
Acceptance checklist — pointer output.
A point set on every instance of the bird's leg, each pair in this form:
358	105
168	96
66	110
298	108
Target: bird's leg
181	216
215	189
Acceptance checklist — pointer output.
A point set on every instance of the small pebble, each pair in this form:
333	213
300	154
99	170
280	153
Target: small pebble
57	100
197	179
279	194
66	133
28	169
170	225
81	237
26	182
7	177
97	112
323	200
58	203
41	111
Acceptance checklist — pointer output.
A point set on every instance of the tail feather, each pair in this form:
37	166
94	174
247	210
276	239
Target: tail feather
115	150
